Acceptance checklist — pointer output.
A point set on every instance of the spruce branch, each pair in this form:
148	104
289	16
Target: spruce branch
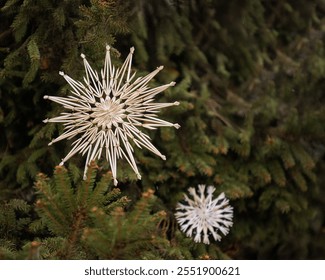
67	209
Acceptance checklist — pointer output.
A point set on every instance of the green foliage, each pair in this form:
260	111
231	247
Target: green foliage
134	235
100	22
250	80
65	209
14	220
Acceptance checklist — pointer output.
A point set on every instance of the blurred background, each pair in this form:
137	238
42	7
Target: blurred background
250	82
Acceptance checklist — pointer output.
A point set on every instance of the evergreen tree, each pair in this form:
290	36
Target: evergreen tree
249	78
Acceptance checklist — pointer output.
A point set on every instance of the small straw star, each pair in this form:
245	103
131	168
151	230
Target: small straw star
203	216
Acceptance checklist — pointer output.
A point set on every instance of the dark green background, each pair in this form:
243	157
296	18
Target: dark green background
250	80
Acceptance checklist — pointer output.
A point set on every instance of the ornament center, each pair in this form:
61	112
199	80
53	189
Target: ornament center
202	212
108	113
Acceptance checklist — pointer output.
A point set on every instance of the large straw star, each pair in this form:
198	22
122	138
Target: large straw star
106	111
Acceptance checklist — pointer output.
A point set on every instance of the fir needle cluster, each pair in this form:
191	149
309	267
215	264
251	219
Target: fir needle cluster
203	216
106	111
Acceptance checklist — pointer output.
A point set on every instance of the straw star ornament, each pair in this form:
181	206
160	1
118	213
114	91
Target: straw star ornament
203	215
106	111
